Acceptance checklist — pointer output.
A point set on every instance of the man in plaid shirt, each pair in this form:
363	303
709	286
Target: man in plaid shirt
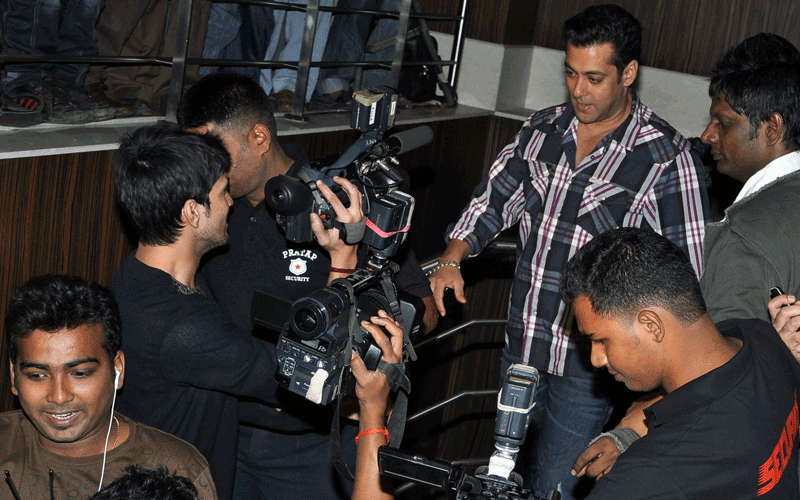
599	161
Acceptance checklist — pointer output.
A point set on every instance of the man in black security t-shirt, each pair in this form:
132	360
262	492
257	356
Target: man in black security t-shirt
258	257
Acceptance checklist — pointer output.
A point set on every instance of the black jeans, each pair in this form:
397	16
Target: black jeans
49	27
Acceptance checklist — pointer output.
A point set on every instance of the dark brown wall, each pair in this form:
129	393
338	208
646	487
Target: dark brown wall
57	216
679	35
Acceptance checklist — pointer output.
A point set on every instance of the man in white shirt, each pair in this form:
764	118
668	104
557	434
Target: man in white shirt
754	134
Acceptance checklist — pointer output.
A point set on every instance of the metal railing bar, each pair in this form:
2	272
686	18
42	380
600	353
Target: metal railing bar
458	328
458	45
121	60
502	246
318	64
343	10
304	63
451	399
178	71
400	43
190	61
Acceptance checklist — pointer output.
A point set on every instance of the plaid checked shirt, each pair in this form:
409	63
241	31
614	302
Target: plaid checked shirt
640	175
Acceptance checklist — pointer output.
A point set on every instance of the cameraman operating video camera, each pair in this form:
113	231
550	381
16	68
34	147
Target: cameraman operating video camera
283	450
372	390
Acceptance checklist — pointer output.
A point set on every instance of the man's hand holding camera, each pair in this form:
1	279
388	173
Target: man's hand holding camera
372	390
343	256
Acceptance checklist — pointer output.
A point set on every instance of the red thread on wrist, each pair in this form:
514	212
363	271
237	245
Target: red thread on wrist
341	270
383	431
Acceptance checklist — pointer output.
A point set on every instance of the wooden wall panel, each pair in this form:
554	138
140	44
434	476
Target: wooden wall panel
58	216
679	35
683	35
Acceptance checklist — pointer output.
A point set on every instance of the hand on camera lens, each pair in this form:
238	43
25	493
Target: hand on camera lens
371	386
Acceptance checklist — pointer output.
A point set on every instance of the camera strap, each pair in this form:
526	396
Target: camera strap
350	232
395	376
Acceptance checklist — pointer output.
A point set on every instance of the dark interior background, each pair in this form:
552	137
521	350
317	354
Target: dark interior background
58	213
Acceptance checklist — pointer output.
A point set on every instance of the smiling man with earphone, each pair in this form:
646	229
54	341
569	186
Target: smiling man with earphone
66	366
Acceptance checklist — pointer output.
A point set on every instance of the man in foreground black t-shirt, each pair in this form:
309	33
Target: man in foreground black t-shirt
187	360
728	424
284	448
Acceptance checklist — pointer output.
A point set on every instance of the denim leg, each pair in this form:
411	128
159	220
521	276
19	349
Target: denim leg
76	37
569	412
29	27
224	22
346	41
385	29
265	78
294	27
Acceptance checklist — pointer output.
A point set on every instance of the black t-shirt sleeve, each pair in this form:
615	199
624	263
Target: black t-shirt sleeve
636	478
411	278
206	349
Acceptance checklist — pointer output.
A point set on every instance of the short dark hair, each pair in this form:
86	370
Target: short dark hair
758	50
757	93
625	270
159	168
599	24
53	302
140	483
226	100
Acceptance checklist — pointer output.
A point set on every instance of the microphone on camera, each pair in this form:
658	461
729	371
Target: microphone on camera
404	141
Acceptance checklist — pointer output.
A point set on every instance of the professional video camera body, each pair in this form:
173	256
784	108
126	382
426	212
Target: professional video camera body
497	480
314	348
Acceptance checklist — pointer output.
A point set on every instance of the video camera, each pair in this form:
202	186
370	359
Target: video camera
514	404
370	164
314	348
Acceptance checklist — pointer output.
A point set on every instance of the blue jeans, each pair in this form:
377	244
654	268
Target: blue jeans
49	27
224	23
348	37
291	33
569	412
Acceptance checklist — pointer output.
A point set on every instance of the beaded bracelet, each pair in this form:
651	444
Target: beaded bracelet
383	431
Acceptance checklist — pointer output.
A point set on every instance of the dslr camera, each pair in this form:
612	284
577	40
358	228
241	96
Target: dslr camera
495	481
314	347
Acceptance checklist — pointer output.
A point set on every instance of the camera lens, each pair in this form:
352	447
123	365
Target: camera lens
278	198
305	320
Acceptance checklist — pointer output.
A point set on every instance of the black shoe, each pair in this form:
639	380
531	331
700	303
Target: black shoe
20	111
139	106
98	111
97	91
56	104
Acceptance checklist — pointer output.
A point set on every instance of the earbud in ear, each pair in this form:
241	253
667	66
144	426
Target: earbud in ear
116	379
